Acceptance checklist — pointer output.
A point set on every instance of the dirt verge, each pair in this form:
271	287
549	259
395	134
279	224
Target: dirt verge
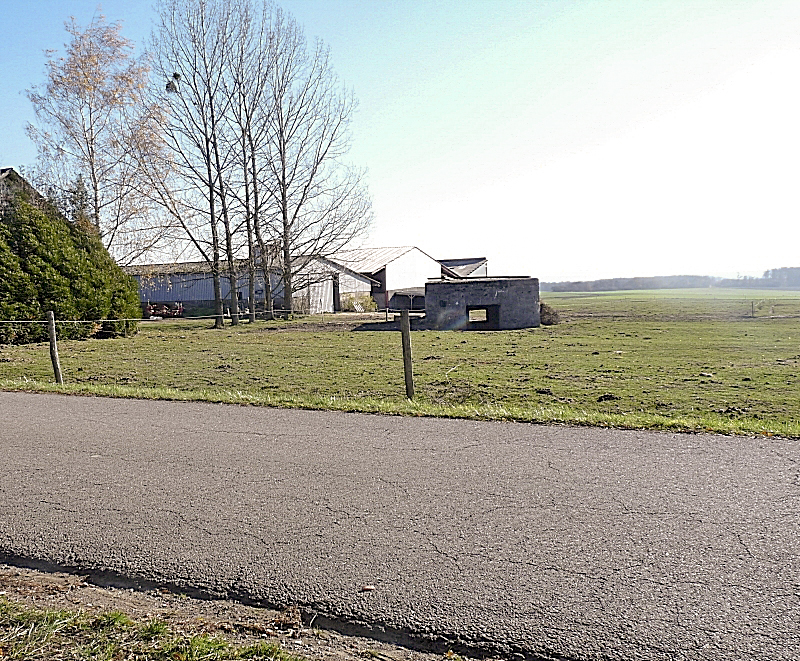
233	621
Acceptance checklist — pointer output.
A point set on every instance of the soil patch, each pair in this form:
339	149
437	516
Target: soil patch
235	622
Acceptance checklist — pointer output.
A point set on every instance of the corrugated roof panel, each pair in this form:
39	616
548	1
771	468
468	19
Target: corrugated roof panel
370	260
465	265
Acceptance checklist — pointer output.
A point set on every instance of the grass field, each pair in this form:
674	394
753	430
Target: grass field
718	360
31	633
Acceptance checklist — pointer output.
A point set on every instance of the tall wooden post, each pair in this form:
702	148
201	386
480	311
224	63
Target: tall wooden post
405	332
51	326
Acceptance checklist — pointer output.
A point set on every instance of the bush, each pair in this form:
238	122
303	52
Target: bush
48	263
549	316
351	303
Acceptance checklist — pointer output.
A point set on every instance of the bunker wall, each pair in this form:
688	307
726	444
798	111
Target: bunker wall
494	304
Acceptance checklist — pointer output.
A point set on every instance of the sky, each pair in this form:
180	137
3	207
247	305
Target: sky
561	139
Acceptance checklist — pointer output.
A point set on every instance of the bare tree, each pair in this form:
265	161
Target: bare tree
85	112
256	128
188	53
251	63
318	204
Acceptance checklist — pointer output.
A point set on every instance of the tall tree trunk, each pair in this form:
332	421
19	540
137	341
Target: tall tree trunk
251	249
95	194
215	274
234	295
251	274
288	292
266	253
232	275
215	264
226	222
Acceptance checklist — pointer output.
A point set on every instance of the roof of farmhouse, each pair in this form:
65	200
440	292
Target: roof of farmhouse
177	268
372	260
357	261
310	263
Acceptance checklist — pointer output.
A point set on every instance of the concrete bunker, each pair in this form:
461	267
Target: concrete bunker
482	304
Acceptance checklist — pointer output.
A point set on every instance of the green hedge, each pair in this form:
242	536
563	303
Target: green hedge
48	263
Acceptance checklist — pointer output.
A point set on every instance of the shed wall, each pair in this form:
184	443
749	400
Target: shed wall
191	287
351	285
314	284
413	269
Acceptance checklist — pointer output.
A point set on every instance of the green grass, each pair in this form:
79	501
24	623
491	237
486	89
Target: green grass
678	304
29	633
681	360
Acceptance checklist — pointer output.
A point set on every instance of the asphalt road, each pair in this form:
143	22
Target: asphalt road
523	540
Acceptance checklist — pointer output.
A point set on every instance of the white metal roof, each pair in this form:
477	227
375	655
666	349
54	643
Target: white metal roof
370	260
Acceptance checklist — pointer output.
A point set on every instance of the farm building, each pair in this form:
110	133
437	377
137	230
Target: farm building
467	267
188	284
399	274
345	281
482	304
320	286
331	287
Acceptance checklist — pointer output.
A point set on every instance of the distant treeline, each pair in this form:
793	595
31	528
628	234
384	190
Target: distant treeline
788	278
615	284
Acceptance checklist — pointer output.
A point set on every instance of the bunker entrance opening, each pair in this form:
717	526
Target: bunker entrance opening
483	317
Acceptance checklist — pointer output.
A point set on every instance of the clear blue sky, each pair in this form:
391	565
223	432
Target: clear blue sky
560	139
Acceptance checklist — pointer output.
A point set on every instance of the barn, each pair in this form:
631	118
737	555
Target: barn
190	286
320	285
391	277
399	273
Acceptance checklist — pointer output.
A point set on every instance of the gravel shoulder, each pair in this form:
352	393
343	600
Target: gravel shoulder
233	621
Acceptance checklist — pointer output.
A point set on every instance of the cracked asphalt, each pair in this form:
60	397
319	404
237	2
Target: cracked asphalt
491	538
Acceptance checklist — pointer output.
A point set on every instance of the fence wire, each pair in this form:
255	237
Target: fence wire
153	318
64	321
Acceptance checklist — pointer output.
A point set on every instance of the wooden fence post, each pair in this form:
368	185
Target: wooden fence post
51	326
405	332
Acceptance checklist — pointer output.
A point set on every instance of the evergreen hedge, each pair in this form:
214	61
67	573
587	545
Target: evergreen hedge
49	263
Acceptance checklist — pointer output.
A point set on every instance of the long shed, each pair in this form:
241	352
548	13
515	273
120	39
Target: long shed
320	285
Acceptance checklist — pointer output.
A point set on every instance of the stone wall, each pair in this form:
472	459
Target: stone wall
482	304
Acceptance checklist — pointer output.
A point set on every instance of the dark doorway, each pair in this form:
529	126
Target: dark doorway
337	301
378	289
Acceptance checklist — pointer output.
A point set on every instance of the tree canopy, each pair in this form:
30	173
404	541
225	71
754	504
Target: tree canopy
49	263
90	136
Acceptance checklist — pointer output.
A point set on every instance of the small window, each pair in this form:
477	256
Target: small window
483	317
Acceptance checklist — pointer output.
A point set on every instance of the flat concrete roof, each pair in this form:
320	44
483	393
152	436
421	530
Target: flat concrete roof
483	279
